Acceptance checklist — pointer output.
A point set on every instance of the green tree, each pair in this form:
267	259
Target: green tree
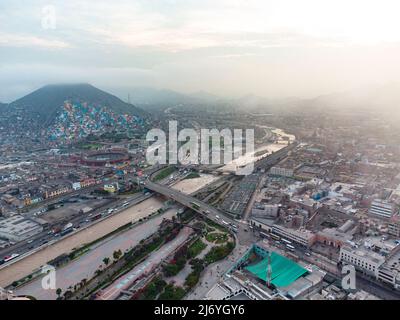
106	261
117	254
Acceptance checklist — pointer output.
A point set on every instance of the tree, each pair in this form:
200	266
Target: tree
106	261
117	254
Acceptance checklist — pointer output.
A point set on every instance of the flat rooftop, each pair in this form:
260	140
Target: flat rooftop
284	270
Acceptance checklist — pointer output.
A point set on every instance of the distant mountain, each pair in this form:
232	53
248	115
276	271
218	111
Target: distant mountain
384	98
205	96
161	97
153	99
47	100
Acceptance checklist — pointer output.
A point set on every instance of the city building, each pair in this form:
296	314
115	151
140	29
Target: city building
301	236
265	210
365	260
17	228
281	171
394	226
381	208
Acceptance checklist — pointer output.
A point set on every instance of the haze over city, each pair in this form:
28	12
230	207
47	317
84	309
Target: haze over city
230	48
204	152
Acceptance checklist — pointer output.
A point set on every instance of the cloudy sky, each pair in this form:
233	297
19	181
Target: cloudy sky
272	48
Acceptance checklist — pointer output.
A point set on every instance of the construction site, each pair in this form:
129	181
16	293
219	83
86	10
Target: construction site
263	274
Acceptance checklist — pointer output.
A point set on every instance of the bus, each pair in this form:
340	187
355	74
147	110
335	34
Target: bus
264	235
290	247
286	241
66	231
9	258
275	237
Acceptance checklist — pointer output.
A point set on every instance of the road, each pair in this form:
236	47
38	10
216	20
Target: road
243	234
24	266
87	264
214	272
155	258
44	238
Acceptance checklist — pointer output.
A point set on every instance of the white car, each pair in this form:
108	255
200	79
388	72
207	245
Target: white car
217	217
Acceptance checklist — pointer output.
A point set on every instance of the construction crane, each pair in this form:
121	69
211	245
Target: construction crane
269	270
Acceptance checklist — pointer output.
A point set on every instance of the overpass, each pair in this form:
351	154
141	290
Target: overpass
188	201
203	207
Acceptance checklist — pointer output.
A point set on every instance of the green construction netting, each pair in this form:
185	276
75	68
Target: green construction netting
284	271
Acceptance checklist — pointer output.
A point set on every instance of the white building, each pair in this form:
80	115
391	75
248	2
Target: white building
303	237
76	186
381	208
394	226
364	260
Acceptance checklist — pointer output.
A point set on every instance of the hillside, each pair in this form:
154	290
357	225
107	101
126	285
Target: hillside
47	100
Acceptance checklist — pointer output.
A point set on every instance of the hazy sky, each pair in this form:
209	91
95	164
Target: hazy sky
272	48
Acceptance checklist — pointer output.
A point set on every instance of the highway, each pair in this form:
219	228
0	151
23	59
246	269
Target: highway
241	227
241	231
84	267
211	212
47	237
187	200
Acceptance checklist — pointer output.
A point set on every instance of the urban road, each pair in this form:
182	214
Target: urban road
199	206
45	238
